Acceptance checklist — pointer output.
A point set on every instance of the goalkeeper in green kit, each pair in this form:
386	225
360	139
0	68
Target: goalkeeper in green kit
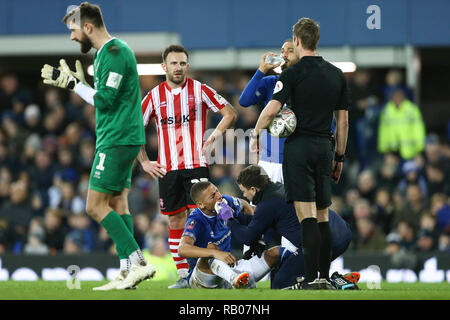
119	134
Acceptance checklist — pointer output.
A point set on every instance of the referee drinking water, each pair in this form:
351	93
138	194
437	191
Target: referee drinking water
311	154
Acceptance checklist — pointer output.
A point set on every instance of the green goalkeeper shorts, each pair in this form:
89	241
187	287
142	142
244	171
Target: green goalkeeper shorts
112	168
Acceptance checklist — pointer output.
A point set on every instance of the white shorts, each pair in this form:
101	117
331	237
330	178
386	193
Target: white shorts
274	170
200	279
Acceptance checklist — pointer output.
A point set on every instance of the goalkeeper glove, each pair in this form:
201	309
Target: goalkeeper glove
78	73
58	77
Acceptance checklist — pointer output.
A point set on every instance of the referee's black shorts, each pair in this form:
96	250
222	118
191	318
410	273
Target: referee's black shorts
307	162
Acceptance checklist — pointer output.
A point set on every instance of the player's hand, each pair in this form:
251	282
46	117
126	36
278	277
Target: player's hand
224	211
336	171
207	145
265	67
154	169
58	77
226	257
254	143
78	73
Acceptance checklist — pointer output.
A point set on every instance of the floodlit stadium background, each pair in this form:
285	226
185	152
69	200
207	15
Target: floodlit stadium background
400	44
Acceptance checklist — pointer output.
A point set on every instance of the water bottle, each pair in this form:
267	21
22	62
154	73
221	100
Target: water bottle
273	60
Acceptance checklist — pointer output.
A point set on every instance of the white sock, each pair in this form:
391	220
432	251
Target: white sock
221	269
259	267
137	258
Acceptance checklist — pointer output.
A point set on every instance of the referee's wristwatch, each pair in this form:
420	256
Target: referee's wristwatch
339	158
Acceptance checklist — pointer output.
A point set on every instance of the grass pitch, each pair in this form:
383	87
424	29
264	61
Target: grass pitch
157	290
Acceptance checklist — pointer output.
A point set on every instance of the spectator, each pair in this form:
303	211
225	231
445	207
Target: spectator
414	207
32	145
407	235
159	256
13	97
401	128
74	243
438	180
427	237
16	136
394	82
388	175
81	229
367	185
412	175
444	242
74	107
141	230
85	156
32	117
369	238
42	172
17	213
440	209
36	235
55	230
364	97
104	243
385	210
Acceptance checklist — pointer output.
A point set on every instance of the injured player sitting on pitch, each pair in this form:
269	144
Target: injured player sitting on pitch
206	244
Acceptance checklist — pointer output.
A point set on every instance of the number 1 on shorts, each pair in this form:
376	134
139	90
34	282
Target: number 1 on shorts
102	162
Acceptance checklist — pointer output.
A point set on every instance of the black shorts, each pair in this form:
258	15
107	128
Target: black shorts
307	162
174	189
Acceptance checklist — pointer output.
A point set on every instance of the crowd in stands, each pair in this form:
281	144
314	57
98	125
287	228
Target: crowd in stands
394	191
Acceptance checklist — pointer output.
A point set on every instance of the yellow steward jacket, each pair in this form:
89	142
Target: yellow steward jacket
401	129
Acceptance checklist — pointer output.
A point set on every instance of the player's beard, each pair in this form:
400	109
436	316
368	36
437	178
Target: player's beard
179	80
85	44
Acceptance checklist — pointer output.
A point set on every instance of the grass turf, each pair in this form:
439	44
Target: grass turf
157	290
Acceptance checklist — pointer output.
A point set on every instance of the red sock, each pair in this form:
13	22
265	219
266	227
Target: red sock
174	242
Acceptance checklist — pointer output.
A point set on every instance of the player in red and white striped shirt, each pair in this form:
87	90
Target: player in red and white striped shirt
179	106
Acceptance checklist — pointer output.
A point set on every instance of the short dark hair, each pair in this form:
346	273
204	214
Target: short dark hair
88	13
197	189
308	31
253	176
174	48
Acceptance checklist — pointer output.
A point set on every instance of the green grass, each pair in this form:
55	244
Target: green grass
157	290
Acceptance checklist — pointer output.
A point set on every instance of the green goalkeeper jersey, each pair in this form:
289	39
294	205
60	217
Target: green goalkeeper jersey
118	113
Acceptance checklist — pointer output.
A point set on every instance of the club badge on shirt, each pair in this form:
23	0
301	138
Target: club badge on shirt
278	87
191	225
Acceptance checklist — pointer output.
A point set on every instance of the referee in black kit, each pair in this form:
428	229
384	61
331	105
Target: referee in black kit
316	90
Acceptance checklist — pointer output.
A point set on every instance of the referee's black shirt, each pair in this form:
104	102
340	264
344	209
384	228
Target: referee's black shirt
316	89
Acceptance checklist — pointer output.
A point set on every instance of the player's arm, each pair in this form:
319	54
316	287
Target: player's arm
280	95
65	78
229	117
341	132
153	168
110	78
260	222
259	85
187	249
247	208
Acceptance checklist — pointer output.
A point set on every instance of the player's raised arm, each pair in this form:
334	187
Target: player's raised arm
257	88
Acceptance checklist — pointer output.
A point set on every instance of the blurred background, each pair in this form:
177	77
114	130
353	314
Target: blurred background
396	201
